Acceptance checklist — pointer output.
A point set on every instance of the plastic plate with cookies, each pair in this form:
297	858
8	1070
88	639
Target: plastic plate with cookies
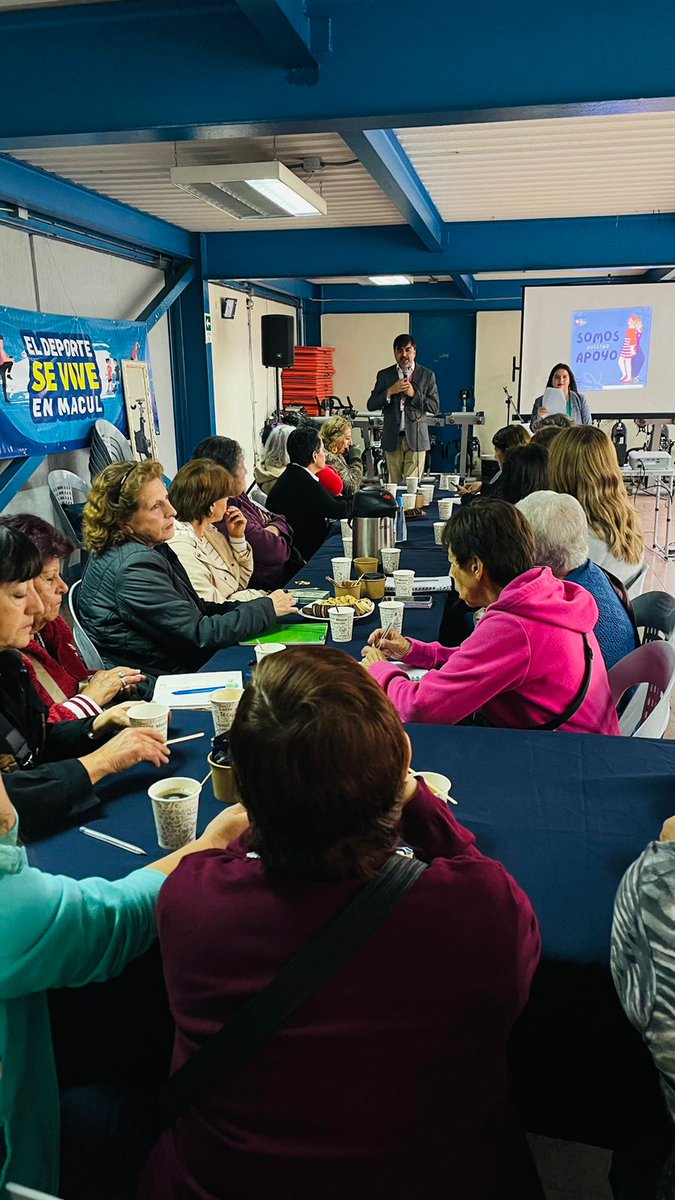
320	609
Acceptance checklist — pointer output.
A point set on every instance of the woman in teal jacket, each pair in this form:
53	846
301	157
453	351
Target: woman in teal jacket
60	932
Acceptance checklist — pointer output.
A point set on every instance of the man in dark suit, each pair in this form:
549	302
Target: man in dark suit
406	392
299	496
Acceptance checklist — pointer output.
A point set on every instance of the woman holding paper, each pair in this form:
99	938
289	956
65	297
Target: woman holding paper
574	404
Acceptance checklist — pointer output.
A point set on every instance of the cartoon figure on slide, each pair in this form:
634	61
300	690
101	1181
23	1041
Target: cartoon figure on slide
6	364
631	357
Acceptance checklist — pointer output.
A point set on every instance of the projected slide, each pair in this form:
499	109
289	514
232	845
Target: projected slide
610	348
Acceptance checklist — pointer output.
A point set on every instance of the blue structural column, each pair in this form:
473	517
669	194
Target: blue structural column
194	411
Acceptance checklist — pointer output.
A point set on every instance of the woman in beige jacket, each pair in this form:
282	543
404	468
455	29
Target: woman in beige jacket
219	567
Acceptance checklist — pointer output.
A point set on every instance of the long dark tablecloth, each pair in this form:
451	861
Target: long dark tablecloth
566	813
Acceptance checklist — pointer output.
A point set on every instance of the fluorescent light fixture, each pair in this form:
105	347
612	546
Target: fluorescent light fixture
260	191
389	280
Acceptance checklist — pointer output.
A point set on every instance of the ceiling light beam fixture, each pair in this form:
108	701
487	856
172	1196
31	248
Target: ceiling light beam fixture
389	280
261	191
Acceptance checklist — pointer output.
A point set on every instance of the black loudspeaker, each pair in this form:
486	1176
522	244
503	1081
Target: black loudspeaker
277	341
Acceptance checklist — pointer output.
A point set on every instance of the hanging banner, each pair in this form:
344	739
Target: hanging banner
58	375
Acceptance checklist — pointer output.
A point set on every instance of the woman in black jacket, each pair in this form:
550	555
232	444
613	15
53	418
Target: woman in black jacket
50	770
136	595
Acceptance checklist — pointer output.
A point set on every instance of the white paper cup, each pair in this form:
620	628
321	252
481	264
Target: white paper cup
445	508
438	784
454	480
264	648
148	715
444	482
341	623
345	527
427	490
439	526
348	547
409	500
341	569
175	805
224	706
391	557
403	584
391	615
411	482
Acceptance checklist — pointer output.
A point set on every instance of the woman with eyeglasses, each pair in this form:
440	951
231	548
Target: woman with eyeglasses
51	770
55	665
136	600
532	662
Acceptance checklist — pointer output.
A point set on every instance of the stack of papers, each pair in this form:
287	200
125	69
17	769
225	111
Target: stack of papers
194	690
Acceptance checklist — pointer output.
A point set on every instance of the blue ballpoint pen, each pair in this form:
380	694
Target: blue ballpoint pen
194	691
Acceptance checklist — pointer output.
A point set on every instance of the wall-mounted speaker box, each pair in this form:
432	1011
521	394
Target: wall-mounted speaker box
277	341
228	307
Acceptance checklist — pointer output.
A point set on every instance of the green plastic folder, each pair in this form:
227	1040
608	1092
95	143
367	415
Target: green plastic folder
308	635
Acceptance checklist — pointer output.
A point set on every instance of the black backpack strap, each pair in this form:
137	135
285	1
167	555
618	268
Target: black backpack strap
581	695
315	963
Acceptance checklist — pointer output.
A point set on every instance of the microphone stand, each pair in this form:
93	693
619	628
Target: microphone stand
509	402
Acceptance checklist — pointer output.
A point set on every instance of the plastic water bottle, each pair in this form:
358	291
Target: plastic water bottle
401	527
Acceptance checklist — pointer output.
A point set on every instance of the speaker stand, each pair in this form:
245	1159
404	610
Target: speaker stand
277	376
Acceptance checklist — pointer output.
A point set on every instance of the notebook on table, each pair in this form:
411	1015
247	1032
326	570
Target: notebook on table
292	635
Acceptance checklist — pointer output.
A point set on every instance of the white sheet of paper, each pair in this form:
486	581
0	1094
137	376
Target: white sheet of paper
554	400
167	686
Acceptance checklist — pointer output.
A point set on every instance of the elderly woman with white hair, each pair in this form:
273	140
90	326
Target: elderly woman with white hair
561	535
274	458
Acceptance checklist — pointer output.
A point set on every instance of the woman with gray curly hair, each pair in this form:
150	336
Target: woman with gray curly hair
136	596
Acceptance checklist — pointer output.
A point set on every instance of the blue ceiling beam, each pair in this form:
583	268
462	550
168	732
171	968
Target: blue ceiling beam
49	196
418	297
489	289
297	289
465	284
226	81
469	247
287	30
176	282
15	475
383	156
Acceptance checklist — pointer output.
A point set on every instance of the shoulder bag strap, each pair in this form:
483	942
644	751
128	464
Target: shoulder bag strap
265	1012
578	700
48	685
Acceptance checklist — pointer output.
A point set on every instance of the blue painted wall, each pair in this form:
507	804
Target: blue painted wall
446	342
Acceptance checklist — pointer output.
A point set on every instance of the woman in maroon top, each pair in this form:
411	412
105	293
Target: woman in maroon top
391	1079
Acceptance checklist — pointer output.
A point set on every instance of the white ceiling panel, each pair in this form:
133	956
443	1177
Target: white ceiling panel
565	167
139	175
579	273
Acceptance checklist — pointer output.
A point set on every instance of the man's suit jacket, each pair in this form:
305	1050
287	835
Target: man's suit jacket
308	507
425	400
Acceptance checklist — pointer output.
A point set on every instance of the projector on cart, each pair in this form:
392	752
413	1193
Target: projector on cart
649	461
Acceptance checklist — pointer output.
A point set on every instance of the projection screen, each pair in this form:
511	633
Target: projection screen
619	341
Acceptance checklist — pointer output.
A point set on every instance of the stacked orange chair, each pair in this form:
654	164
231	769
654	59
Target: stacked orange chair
310	380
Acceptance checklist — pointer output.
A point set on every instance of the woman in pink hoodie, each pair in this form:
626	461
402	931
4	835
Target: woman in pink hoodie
532	661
